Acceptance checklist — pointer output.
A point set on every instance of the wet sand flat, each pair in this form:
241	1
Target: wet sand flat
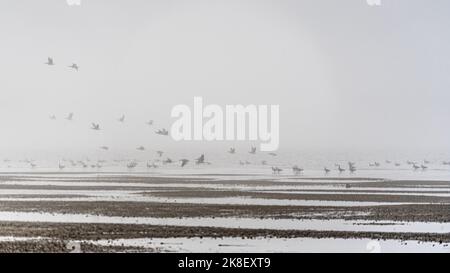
414	207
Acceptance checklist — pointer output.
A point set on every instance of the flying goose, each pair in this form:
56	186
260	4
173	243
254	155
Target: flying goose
162	132
184	162
74	66
95	126
50	61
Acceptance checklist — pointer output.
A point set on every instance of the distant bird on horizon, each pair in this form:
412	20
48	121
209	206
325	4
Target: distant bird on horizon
423	167
184	162
153	165
253	150
74	66
106	148
264	163
132	165
167	161
232	150
69	117
375	164
61	166
351	167
149	123
95	126
162	132
326	170
122	119
50	61
297	170
340	169
415	167
276	170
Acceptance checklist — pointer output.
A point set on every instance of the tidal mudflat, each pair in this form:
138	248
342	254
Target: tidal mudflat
122	212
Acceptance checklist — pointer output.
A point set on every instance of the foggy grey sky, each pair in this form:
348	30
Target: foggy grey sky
344	73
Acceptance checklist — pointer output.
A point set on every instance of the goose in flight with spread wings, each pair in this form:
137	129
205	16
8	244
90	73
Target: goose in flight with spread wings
74	66
50	61
184	162
162	132
95	126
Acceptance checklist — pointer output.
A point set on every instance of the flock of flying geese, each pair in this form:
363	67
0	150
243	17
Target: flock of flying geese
201	160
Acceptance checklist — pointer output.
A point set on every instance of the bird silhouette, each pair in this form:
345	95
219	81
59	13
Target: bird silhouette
253	150
276	170
95	126
132	165
340	169
106	148
184	162
140	148
122	118
162	132
74	66
297	170
50	61
200	160
70	117
232	151
153	165
167	161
